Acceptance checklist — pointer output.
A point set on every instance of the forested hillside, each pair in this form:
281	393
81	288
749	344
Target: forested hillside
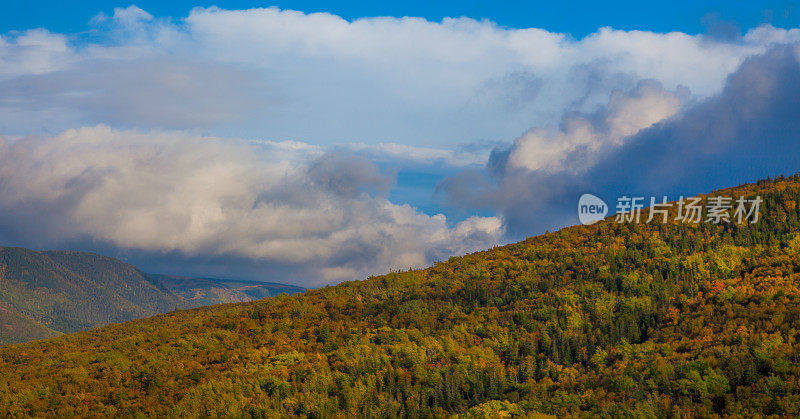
659	319
43	294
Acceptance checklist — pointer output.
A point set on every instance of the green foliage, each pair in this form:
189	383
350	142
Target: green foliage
605	320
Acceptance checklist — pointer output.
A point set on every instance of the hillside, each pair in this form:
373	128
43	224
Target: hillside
45	293
608	319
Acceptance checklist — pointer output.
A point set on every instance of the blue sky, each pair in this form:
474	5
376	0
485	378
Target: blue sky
279	144
578	18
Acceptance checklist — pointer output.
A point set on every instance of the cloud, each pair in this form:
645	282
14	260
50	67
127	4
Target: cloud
166	93
322	218
465	155
36	51
748	131
625	115
318	78
643	143
530	181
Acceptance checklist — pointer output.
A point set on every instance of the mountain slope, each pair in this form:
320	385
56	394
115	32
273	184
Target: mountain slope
609	319
43	293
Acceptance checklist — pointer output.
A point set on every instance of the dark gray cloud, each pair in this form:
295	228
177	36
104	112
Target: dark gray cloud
751	130
348	176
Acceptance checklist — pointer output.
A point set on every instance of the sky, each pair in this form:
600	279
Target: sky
313	143
578	18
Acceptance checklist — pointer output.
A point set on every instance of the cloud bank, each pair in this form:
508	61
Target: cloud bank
282	74
169	192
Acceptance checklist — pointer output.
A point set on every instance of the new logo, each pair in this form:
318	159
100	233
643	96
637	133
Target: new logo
591	209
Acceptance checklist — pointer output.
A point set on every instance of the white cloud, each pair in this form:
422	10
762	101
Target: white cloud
318	78
394	152
35	51
590	136
209	197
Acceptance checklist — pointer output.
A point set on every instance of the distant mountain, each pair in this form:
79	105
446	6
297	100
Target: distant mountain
43	294
208	291
608	320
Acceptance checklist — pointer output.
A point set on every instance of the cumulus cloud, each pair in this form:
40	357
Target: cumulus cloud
643	143
282	74
625	115
529	181
322	218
